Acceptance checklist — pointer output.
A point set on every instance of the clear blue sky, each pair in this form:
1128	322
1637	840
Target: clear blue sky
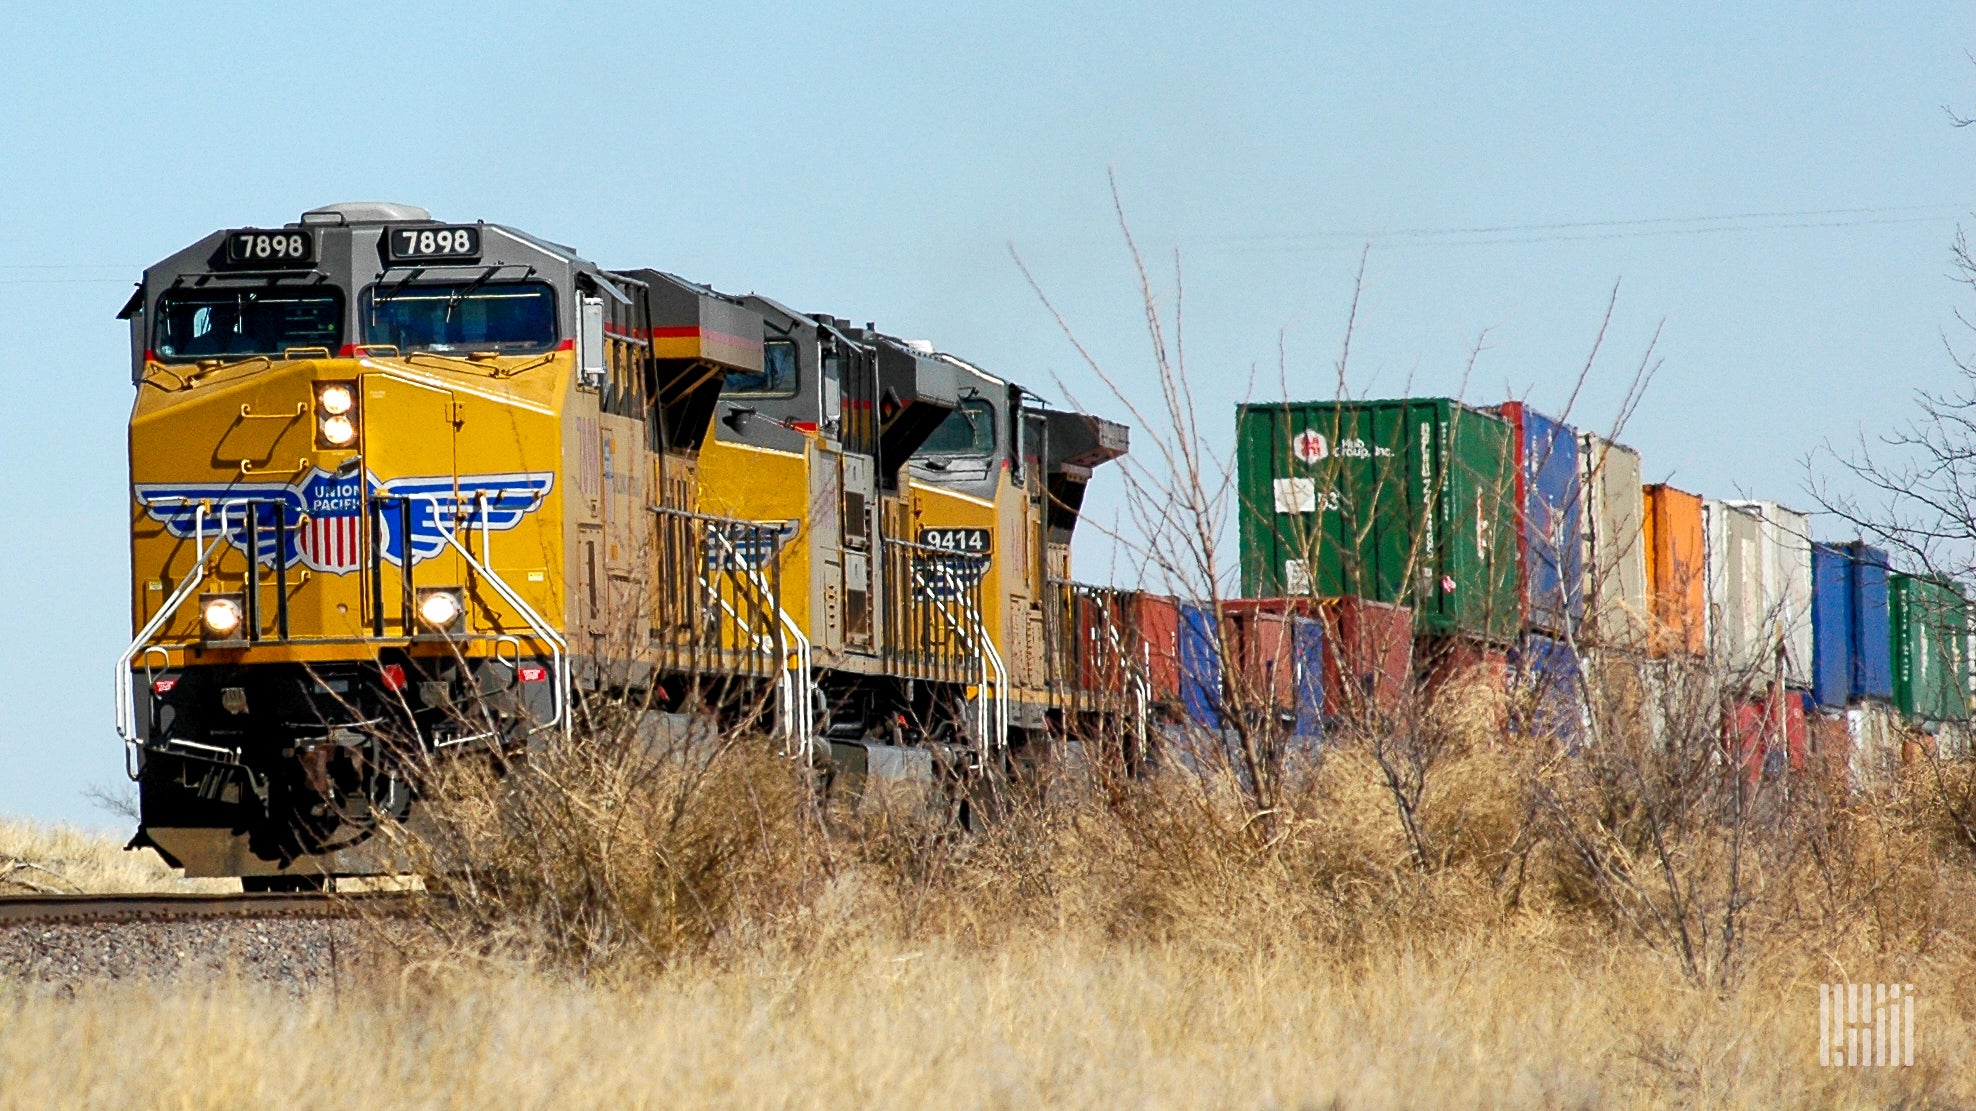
877	162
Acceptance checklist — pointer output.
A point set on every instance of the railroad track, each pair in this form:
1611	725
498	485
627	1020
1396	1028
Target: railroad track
23	909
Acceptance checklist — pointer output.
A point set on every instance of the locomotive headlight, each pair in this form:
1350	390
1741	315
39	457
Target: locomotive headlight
223	615
336	414
440	608
335	398
338	431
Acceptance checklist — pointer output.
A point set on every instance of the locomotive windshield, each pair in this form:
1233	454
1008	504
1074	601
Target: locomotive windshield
511	317
219	323
968	430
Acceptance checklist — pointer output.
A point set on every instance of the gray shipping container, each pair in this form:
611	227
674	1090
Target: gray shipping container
1759	590
1615	546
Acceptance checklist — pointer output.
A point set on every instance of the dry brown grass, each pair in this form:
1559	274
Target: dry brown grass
630	928
1508	1020
62	860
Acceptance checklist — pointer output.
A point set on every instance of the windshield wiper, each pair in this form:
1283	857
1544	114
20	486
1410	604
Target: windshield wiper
461	294
384	295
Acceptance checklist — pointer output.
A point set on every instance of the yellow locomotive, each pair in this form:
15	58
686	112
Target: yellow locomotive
404	489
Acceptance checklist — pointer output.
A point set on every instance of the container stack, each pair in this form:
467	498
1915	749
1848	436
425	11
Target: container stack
1408	503
1413	544
1854	731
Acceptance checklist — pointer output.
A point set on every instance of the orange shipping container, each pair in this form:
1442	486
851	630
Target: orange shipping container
1677	582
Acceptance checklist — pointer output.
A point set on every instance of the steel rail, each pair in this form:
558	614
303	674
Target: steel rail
24	909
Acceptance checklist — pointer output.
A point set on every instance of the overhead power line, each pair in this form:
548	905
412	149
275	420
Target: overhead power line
1574	230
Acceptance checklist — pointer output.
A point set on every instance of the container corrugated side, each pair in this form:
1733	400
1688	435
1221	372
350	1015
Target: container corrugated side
1930	622
1546	690
1200	665
1759	591
1832	633
1550	532
1872	625
1677	571
1616	607
1784	537
1407	501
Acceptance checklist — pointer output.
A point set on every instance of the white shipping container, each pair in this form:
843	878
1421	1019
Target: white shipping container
1759	590
1615	547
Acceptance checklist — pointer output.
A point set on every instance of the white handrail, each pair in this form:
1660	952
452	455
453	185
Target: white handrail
1142	688
558	647
126	692
798	709
992	723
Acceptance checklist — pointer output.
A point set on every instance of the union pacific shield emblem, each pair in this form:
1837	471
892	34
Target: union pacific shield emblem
331	537
326	520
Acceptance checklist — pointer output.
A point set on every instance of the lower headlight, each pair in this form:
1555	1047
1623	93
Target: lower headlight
223	615
338	431
440	608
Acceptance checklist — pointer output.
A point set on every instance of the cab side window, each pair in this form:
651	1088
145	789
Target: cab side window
777	378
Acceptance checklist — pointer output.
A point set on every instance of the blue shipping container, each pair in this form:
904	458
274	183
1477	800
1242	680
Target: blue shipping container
1550	541
1831	626
1307	637
1545	680
1851	627
1200	666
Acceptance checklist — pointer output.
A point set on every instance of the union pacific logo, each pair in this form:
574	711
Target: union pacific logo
318	522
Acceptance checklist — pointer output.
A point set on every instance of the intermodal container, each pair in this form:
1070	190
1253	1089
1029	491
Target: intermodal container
1200	665
1550	555
1768	735
1616	608
1365	661
1877	737
1677	576
1368	658
1759	591
1851	632
1262	665
1546	689
1157	635
1930	623
1832	631
1409	502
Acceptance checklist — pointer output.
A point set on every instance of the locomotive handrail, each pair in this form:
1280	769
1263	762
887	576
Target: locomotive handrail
1142	688
993	716
799	711
124	688
558	647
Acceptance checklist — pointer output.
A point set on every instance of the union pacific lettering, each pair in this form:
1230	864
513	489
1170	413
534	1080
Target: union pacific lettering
338	499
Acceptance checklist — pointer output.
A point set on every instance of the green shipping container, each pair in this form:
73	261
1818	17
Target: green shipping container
1930	621
1408	502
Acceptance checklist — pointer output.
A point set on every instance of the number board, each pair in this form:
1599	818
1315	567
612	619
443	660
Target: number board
270	247
431	244
970	541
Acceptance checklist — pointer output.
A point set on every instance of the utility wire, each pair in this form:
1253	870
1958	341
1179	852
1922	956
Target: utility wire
1801	214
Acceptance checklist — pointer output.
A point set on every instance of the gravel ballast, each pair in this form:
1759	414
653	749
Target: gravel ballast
302	954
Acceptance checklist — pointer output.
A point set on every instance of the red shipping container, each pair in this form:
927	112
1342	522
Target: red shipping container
1156	641
1261	642
1768	735
1104	651
1368	651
